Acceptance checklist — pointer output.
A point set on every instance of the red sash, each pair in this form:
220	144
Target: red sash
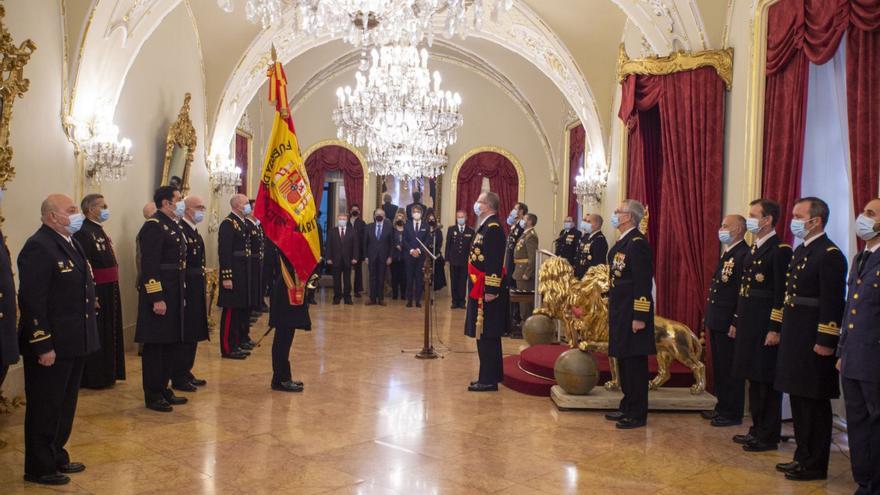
106	275
478	278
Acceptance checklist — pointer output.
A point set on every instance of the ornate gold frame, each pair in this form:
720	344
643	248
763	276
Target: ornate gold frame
248	181
566	151
12	85
181	133
520	172
720	60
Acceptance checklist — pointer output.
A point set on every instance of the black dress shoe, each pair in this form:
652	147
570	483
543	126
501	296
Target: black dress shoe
336	301
483	387
418	305
246	346
409	304
710	414
235	355
173	399
721	421
245	352
348	302
198	382
784	467
629	423
756	446
48	479
71	468
160	406
288	386
382	302
184	387
743	439
370	303
801	474
614	416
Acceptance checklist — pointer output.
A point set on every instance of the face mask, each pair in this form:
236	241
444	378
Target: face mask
432	222
724	236
104	215
865	228
379	218
76	222
587	227
799	228
615	220
198	216
417	216
355	213
522	223
398	223
180	207
477	209
342	223
247	209
460	221
511	219
567	225
752	225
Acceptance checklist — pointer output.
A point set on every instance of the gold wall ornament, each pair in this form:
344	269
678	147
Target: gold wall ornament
720	60
12	85
180	147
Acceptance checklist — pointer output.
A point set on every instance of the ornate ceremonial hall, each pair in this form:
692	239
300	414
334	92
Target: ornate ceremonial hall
524	246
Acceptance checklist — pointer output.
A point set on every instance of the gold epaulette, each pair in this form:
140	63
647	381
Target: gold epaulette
638	238
493	224
152	220
785	246
642	305
831	328
39	336
493	281
153	286
832	248
776	315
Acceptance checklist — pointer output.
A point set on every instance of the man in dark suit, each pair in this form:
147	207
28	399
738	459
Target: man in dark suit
814	300
358	225
566	243
234	250
487	314
593	247
57	301
720	307
8	329
161	298
458	246
377	248
195	314
343	252
757	323
631	314
414	231
857	350
389	208
417	202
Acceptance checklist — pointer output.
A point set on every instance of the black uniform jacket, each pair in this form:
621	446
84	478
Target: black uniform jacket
512	238
163	269
195	314
860	336
282	314
256	263
487	255
813	308
458	245
234	248
8	310
632	273
56	296
759	309
566	244
724	291
592	250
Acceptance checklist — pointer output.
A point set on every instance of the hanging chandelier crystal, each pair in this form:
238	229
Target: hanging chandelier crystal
589	184
266	12
106	156
225	176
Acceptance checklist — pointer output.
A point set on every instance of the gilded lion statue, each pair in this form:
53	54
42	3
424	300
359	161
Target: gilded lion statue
582	305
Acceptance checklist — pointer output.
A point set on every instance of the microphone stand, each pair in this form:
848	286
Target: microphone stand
428	351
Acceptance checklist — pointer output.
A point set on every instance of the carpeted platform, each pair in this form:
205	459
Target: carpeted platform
532	371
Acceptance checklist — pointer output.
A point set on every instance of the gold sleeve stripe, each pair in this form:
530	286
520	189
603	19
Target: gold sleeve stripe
776	315
829	328
493	281
40	339
153	286
642	305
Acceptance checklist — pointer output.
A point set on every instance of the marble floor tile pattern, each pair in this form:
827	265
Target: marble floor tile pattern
375	420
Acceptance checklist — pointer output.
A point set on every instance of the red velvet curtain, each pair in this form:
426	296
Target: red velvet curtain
576	148
241	161
503	180
328	158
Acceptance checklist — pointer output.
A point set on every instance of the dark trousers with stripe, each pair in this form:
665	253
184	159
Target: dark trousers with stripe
812	430
633	375
863	430
234	323
765	406
184	359
157	363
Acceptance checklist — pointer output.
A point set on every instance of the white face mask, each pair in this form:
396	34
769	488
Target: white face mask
460	221
865	228
417	215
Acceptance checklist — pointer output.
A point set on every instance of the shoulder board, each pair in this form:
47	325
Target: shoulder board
152	220
638	238
493	224
832	248
785	246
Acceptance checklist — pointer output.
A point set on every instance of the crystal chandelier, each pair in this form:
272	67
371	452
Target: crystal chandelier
591	180
405	162
225	176
266	12
106	156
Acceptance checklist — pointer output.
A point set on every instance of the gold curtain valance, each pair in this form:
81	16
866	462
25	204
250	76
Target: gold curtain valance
720	60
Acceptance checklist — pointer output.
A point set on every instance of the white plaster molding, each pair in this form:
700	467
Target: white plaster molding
667	25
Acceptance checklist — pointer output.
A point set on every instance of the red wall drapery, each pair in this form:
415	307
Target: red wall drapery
576	148
241	161
503	180
334	157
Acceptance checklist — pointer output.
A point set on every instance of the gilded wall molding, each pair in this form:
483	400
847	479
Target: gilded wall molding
13	85
720	60
520	172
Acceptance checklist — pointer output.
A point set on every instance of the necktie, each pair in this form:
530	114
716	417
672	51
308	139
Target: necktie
342	232
378	230
417	226
863	258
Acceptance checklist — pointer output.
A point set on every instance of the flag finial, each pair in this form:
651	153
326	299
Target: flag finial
274	54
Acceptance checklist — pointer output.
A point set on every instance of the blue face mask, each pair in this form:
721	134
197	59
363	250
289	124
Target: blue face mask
724	236
522	223
865	228
752	225
179	208
104	215
247	209
567	225
477	209
460	221
76	222
342	223
587	227
615	220
799	228
511	219
198	216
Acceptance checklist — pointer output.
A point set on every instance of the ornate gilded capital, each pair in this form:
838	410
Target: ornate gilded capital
12	85
720	60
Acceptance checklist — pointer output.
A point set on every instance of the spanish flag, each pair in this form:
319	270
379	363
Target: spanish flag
285	205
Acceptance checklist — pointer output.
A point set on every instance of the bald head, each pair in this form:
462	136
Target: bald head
149	209
736	225
56	210
237	202
195	208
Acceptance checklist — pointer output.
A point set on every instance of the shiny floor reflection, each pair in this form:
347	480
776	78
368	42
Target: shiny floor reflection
374	420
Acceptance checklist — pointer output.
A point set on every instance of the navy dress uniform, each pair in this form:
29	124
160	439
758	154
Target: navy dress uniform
592	250
286	318
566	244
57	301
859	349
8	311
758	312
234	249
163	271
458	247
814	301
255	281
632	273
487	321
195	313
720	309
516	232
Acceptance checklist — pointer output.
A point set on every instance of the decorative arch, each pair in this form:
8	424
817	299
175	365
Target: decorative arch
503	153
336	143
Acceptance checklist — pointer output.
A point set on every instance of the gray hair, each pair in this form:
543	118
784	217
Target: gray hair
492	200
636	210
89	201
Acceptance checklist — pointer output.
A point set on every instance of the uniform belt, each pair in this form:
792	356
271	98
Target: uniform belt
521	261
240	253
803	301
761	293
106	275
171	266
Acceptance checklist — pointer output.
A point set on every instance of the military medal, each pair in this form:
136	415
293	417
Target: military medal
727	270
759	277
619	264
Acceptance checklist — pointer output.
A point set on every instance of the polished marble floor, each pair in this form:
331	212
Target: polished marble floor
375	420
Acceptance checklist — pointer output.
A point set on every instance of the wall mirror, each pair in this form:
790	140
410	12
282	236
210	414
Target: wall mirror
180	147
12	85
